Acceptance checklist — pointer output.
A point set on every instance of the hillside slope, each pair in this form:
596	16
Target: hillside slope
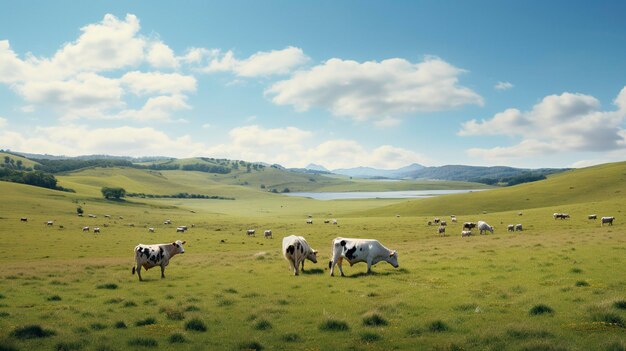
605	182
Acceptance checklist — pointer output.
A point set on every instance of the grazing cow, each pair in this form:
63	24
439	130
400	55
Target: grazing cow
397	216
148	256
334	221
120	217
453	219
360	250
484	227
466	233
608	220
443	223
107	216
436	220
151	230
326	221
85	229
92	216
593	216
518	227
296	250
96	230
510	228
519	213
250	232
49	223
180	229
267	234
441	230
469	225
23	219
309	221
560	215
193	225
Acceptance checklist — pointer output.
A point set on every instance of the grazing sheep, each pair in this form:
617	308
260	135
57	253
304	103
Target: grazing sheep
309	221
441	230
453	219
96	230
519	213
484	227
107	216
85	229
151	230
443	223
267	234
608	220
466	233
518	227
436	220
593	216
23	219
49	223
250	232
510	228
560	215
92	216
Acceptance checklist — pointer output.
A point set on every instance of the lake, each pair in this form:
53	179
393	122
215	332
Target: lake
405	194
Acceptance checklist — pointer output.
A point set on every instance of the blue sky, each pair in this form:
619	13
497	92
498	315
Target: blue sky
341	84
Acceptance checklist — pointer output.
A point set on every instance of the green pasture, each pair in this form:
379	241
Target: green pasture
558	285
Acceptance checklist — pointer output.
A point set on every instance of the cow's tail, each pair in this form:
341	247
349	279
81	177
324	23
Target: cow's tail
330	264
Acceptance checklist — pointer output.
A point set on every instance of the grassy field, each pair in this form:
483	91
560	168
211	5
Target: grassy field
558	285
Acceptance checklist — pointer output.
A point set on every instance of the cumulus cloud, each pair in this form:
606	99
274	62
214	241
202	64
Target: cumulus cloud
566	122
260	64
159	108
161	56
503	86
143	83
375	90
3	122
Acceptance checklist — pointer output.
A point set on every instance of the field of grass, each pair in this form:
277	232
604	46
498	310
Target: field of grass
25	162
555	286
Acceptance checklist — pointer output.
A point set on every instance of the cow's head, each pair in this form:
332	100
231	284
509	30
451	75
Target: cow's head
178	246
393	258
312	256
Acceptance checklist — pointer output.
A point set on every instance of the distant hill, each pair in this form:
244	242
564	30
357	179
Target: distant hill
314	167
476	173
373	173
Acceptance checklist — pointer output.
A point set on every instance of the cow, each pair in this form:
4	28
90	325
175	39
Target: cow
510	228
469	225
443	223
151	230
484	227
560	215
608	220
436	220
92	216
250	232
96	230
49	223
167	221
453	219
85	229
80	215
518	227
593	216
180	229
296	250
466	233
309	221
441	230
148	256
519	213
326	221
23	219
334	221
360	250
267	234
107	216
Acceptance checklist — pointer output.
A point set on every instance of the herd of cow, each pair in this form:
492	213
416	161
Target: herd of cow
296	249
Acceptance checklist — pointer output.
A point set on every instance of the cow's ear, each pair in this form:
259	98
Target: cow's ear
174	243
391	253
315	252
184	242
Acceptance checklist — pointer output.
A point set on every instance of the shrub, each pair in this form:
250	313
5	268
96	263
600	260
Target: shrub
177	338
110	286
145	342
540	309
576	270
263	325
620	304
438	326
196	325
54	298
31	332
120	325
147	321
370	337
334	325
130	304
374	320
581	283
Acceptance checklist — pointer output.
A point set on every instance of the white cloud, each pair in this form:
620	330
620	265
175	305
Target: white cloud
566	122
503	86
143	83
206	126
375	90
74	140
3	122
159	108
260	64
161	56
387	122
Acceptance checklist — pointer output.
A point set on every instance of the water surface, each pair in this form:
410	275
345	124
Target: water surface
404	194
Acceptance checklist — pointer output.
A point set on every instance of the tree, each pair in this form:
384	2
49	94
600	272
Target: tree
113	193
19	164
7	159
79	210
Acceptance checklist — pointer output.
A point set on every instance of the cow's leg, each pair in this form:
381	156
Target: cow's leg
162	271
139	272
369	266
293	265
339	262
302	266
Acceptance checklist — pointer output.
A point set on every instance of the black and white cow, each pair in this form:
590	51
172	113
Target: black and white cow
469	225
607	220
360	250
148	256
267	234
296	250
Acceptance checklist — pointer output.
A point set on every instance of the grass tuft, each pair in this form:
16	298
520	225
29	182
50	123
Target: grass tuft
375	320
524	334
192	308
109	286
177	338
576	270
540	309
147	321
262	324
31	332
196	325
581	283
543	346
130	304
143	342
291	337
120	325
98	326
68	346
620	304
438	326
608	317
250	346
173	314
54	298
616	346
414	331
334	325
368	337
